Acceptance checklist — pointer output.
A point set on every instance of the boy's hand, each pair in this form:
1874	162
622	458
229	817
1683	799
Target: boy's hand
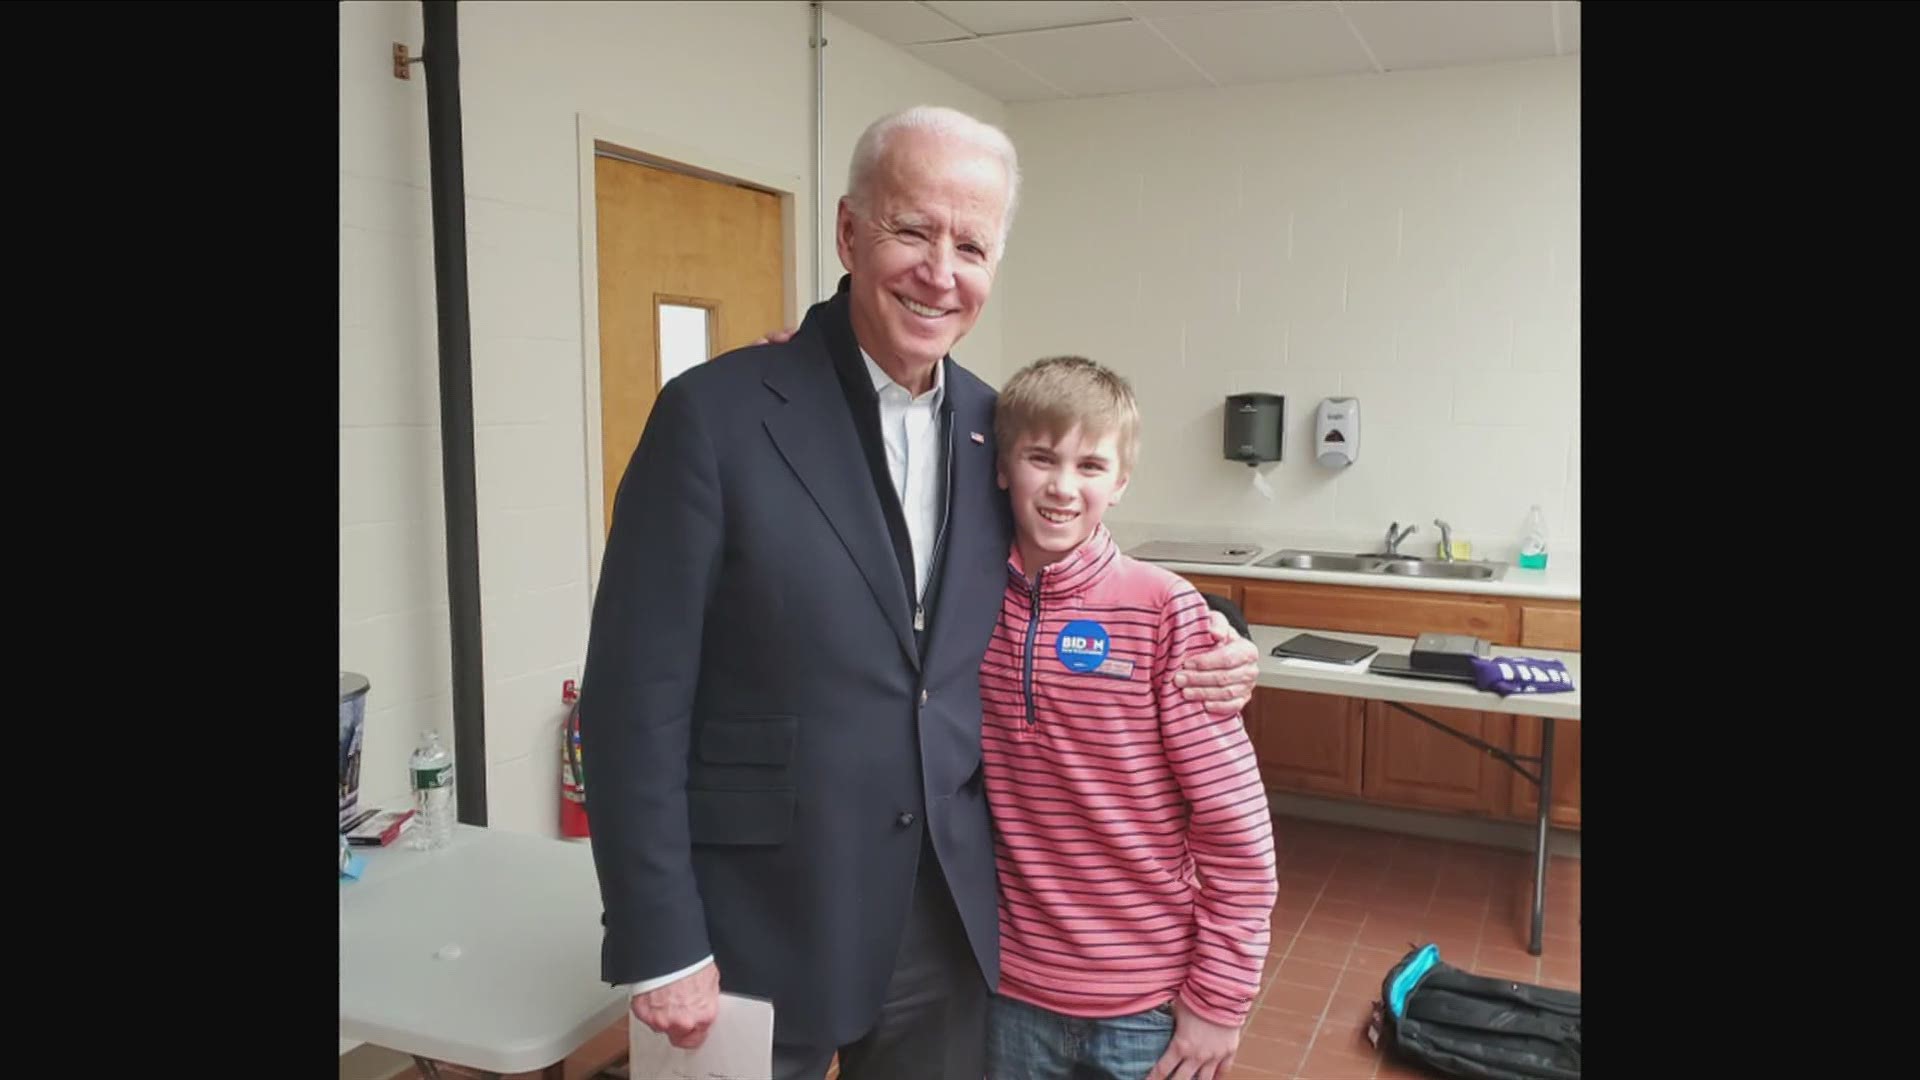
1224	676
1201	1049
778	337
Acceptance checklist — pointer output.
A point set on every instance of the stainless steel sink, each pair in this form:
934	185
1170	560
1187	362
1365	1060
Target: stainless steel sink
1321	560
1469	571
1402	565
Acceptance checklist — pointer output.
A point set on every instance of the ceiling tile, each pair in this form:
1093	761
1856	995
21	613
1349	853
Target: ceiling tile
973	63
1411	34
898	21
1173	9
1120	59
1569	26
1270	44
1013	16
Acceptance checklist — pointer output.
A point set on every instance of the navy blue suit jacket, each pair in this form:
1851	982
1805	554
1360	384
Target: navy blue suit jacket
765	736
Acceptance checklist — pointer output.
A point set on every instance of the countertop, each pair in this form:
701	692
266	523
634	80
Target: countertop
1559	581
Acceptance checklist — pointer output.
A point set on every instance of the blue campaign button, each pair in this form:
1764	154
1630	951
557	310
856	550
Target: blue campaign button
1082	645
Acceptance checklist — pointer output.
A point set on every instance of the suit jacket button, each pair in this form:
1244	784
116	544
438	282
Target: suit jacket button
923	697
903	820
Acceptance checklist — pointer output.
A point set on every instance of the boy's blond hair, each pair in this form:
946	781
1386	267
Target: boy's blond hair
1057	394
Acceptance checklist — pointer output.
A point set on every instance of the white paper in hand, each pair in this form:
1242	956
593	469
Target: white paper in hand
739	1046
1326	665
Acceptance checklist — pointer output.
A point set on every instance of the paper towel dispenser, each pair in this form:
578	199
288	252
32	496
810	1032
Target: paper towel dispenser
1254	424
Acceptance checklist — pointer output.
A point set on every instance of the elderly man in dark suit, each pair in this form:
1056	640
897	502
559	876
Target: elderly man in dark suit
781	700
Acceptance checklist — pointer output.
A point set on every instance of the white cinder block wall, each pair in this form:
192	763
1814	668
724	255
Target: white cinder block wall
1410	239
732	79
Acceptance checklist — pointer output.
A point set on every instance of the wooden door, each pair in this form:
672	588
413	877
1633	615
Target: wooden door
674	243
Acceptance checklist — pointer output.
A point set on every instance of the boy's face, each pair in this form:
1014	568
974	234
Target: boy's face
1060	491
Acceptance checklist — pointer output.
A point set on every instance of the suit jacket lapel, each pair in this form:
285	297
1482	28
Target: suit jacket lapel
970	522
815	434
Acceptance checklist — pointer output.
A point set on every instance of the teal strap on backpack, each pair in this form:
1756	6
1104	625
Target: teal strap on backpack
1410	977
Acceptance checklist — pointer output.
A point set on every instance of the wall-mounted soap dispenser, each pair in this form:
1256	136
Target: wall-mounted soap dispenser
1253	426
1336	432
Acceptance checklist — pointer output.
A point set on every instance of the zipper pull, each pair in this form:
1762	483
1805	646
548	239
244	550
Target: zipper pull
919	617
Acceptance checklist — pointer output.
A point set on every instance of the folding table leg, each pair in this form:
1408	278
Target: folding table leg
1540	836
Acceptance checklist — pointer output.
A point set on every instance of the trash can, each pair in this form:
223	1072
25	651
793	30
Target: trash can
353	716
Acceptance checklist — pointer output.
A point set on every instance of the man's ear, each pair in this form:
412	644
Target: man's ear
843	224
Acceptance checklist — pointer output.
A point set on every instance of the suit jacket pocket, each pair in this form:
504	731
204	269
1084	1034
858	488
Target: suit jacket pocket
740	790
764	816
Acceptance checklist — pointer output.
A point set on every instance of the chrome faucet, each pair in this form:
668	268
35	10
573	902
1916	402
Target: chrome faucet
1395	534
1446	539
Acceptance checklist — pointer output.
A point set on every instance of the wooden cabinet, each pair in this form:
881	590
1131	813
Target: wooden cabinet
1307	742
1231	588
1361	610
1410	763
1549	625
1565	810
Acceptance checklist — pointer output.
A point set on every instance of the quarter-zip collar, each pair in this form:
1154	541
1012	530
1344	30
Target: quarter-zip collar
1071	575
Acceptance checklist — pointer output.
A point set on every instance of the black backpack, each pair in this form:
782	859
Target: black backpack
1453	1023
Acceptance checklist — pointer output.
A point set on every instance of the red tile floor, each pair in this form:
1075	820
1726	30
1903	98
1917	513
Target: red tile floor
1352	903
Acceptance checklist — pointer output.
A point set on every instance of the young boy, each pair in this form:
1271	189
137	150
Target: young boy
1132	832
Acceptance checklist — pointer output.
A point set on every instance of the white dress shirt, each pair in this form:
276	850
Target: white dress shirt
910	428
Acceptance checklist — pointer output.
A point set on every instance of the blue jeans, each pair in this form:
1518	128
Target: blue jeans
1028	1043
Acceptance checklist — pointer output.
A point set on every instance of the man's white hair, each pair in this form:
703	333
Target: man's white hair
938	120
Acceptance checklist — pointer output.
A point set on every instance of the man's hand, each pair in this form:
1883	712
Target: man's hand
778	337
1201	1049
1224	676
683	1010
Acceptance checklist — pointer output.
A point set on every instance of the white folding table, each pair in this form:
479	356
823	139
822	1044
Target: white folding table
485	954
1402	693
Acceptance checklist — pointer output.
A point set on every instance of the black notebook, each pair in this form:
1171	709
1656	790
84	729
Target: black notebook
1324	649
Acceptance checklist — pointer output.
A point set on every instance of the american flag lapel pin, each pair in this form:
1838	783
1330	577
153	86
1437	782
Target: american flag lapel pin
977	437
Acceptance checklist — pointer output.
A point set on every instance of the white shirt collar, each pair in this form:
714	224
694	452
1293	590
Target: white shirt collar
882	380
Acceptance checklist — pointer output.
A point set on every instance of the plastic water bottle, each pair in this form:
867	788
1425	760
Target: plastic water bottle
430	770
1533	546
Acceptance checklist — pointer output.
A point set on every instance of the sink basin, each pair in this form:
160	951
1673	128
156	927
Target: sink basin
1457	570
1319	560
1401	565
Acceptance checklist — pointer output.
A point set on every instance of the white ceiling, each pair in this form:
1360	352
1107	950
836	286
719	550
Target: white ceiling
1042	50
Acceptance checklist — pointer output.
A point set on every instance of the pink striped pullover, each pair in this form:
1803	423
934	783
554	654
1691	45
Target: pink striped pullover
1132	832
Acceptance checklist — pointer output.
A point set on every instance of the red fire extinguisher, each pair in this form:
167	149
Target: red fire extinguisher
573	777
